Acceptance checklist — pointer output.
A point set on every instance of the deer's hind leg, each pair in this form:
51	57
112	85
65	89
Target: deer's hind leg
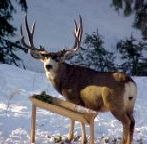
83	133
127	126
71	132
132	125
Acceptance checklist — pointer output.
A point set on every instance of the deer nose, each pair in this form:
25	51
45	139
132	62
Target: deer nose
49	67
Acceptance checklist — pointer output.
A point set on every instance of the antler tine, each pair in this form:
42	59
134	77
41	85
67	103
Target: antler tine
75	34
22	39
21	31
76	26
78	33
33	28
34	52
81	28
30	33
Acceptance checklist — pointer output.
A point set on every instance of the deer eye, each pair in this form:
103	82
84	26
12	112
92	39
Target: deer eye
49	67
55	58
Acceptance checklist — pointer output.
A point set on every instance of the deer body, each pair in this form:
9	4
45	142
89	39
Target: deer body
102	92
113	92
95	90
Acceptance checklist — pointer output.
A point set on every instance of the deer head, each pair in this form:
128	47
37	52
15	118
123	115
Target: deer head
51	59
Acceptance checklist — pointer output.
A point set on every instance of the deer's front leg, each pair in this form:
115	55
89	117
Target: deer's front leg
71	130
83	134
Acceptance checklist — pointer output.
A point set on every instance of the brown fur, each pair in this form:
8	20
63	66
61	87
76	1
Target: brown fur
71	80
99	91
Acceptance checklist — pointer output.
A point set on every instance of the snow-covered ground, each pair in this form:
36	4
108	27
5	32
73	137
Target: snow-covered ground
16	85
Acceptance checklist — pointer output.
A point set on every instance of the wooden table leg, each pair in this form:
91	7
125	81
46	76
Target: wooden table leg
71	130
92	132
33	124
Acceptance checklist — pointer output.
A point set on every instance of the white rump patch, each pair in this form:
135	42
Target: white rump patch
130	95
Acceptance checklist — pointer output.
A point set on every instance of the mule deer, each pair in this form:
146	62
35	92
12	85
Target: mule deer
113	92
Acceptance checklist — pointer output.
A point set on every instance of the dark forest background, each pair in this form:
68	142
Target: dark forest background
131	50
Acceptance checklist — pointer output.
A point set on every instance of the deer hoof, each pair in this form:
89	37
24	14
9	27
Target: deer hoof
83	140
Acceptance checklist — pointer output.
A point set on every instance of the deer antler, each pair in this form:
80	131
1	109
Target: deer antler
30	35
78	31
40	53
36	53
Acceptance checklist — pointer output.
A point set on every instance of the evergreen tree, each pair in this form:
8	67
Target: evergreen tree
140	8
94	55
118	4
101	57
131	52
126	5
7	31
141	20
142	69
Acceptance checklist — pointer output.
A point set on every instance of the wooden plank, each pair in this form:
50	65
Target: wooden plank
71	106
91	141
64	108
62	111
65	104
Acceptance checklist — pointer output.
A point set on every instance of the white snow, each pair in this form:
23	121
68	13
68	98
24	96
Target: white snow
16	85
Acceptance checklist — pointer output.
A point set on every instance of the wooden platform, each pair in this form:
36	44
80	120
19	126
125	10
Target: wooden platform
64	108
